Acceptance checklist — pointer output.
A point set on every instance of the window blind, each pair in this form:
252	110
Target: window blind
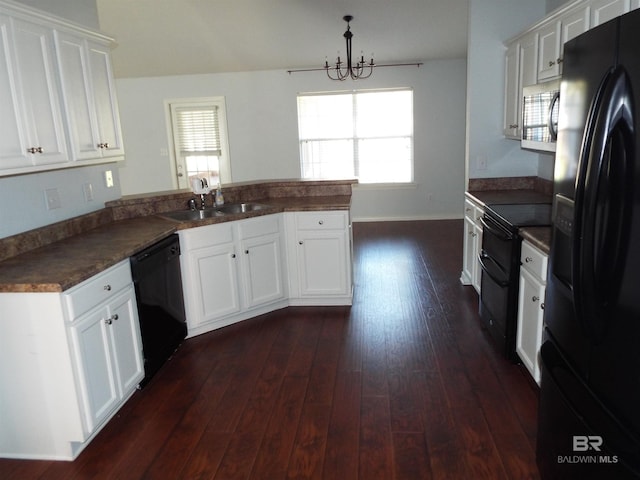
198	131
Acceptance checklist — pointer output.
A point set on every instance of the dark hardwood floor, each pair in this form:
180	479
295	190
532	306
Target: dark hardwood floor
402	385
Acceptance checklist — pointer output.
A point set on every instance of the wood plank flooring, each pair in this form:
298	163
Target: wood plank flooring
402	385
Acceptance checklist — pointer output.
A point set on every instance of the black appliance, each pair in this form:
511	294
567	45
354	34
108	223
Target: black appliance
158	285
500	263
589	410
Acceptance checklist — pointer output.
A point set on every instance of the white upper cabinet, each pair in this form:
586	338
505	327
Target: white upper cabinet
549	51
535	55
57	93
32	132
89	98
604	10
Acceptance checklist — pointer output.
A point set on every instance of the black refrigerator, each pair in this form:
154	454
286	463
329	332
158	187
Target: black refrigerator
589	410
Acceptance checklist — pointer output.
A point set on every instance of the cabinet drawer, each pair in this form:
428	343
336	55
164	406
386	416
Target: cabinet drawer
534	261
258	226
321	221
97	289
206	236
473	211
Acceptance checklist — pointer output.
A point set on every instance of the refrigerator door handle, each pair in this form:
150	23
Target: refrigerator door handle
602	203
553	127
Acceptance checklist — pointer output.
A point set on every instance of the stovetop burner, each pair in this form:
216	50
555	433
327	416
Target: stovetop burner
514	216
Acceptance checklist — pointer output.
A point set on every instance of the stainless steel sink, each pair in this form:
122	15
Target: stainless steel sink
191	215
228	209
231	208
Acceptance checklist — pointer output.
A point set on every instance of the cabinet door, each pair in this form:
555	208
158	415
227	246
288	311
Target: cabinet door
262	270
468	249
528	62
45	135
512	92
97	378
477	247
13	134
78	96
212	284
323	262
574	24
549	51
604	10
106	103
125	341
530	315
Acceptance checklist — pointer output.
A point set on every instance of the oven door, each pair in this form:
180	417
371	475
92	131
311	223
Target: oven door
497	281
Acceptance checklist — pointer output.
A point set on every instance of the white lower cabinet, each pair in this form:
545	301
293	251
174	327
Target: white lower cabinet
109	356
319	252
232	271
533	273
68	362
472	244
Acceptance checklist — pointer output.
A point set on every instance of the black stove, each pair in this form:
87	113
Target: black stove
514	216
500	263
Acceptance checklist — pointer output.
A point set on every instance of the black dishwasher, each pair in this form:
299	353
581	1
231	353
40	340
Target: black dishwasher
158	285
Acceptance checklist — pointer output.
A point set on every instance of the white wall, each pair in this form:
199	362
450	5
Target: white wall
263	134
491	22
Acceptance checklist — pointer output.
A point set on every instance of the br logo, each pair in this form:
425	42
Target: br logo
583	443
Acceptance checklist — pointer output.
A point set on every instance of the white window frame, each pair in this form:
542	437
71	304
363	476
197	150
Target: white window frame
178	171
399	184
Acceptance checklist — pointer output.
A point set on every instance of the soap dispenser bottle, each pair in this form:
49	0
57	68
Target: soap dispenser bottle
219	198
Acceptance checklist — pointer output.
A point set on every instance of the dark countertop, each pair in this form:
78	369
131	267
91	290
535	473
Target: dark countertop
488	197
60	256
540	237
65	263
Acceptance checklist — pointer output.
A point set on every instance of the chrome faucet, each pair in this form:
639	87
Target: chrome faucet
203	203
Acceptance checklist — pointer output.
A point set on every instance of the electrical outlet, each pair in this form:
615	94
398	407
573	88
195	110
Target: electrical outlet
87	189
108	178
52	199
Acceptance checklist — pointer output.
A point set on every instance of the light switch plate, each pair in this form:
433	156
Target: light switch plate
108	178
52	198
87	189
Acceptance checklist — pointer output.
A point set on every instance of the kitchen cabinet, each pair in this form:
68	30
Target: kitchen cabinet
89	96
57	93
320	258
472	244
232	271
71	360
520	70
106	345
512	122
604	10
32	133
552	38
533	274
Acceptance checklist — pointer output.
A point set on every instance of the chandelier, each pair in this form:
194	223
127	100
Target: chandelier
342	70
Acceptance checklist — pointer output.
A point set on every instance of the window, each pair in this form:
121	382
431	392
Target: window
362	134
200	141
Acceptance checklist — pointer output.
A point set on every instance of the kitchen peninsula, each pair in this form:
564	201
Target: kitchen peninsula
67	302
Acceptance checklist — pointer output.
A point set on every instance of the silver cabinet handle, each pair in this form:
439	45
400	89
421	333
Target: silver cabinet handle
300	242
528	260
321	222
233	255
107	287
535	298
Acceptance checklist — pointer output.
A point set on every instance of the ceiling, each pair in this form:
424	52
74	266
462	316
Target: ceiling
177	37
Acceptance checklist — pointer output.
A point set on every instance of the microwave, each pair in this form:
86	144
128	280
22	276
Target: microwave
540	107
